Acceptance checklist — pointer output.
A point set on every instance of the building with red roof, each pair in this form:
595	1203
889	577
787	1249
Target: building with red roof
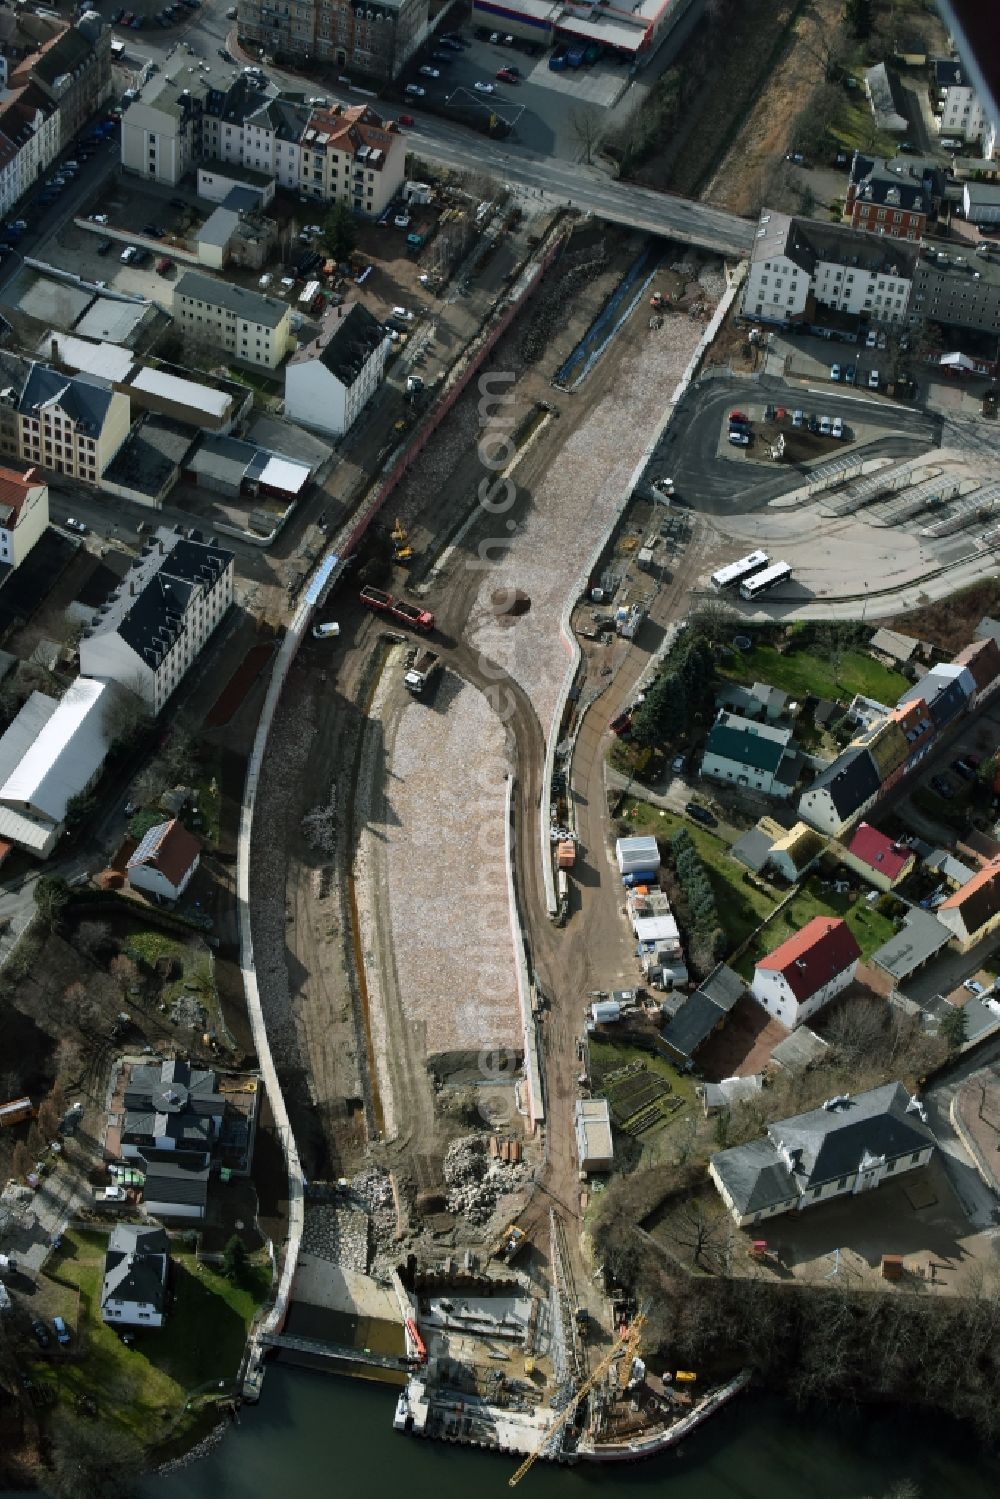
882	862
973	911
24	514
165	861
807	970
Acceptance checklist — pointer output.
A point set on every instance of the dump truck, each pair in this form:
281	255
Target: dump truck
407	614
510	1243
422	670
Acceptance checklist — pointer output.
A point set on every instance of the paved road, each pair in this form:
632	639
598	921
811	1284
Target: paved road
975	1197
451	145
723	486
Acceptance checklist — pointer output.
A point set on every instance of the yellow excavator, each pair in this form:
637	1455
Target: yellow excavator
402	552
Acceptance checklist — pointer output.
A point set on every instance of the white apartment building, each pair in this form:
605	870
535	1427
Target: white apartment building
71	424
958	111
24	513
267	140
155	624
330	381
31	124
242	323
798	265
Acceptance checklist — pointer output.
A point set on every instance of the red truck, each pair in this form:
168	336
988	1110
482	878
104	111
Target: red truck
407	614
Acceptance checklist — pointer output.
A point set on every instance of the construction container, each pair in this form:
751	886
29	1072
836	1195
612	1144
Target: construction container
892	1267
605	1011
637	854
566	853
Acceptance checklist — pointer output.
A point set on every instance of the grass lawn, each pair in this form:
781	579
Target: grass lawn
801	672
741	906
144	1388
870	927
207	785
853	128
608	1056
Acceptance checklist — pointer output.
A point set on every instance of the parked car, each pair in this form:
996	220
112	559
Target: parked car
962	768
871	338
851	374
740	418
62	1331
104	248
428	72
943	787
41	1332
825	426
325	631
974	986
621	724
414	91
73	524
702	815
678	763
164	265
128	255
404	120
835	372
153	230
484	88
873	380
738	438
797	418
402	220
837	430
507	75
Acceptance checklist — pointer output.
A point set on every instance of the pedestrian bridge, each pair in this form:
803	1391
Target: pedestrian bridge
335	1351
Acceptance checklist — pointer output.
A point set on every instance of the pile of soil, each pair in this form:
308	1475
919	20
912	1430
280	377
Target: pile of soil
509	603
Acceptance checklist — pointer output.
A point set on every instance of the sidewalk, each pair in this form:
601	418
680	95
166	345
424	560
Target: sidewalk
976	1113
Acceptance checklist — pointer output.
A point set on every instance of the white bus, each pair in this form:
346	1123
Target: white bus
731	576
762	582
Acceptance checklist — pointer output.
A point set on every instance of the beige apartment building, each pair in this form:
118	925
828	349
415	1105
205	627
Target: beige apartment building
71	424
242	323
348	156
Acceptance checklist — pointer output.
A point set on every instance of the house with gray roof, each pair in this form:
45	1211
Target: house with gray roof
703	1012
848	1146
329	381
71	424
159	618
134	1289
241	323
741	752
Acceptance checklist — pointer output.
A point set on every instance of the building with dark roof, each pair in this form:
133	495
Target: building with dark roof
973	911
158	620
920	938
329	382
800	266
70	424
742	752
173	1107
176	1184
703	1012
73	71
241	323
807	970
886	99
134	1289
849	1146
148	464
843	791
888	197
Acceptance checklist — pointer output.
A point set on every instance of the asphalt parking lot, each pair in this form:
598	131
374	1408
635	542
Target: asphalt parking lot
541	106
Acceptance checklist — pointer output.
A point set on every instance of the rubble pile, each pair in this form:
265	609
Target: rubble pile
319	827
476	1182
372	1190
337	1233
552	303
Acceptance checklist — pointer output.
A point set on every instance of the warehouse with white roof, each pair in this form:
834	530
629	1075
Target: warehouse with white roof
52	752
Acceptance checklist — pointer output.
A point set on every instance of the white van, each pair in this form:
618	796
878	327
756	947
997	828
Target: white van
325	632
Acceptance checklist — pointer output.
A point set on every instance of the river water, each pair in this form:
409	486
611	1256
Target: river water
319	1435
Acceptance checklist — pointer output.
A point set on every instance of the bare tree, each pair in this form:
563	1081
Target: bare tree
698	1225
21	1159
588	130
93	936
126	716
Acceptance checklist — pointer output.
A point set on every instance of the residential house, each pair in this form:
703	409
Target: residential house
880	860
134	1289
171	1107
798	266
745	753
241	324
51	754
165	861
329	382
595	1151
72	69
841	793
176	1184
806	971
71	424
849	1146
957	109
350	156
753	848
975	32
947	689
375	42
703	1013
30	123
982	659
759	700
158	620
795	852
24	514
973	911
884	198
886	100
981	205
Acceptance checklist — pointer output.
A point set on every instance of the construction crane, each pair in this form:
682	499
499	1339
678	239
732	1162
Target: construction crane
626	1347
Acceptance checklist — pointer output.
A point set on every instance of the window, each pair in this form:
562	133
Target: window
914	1158
842	1184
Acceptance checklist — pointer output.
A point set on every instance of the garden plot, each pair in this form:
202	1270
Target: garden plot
437	862
572	509
639	1100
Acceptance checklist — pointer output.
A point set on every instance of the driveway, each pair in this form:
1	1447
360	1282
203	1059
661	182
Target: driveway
976	1198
